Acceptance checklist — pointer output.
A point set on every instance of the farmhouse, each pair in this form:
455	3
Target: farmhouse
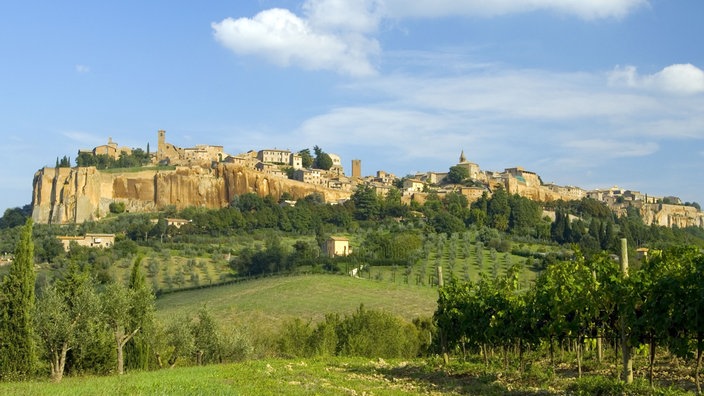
90	240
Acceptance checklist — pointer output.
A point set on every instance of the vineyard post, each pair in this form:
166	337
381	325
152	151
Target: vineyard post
445	355
625	343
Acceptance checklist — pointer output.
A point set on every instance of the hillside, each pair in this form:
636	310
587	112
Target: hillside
271	301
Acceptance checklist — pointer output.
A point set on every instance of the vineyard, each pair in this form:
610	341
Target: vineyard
580	304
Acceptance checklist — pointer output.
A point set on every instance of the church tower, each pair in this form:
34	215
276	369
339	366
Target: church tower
463	159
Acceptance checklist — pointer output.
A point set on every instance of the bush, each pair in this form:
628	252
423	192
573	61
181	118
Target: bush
117	207
295	339
371	333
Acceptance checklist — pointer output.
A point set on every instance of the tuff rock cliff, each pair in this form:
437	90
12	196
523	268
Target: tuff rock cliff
76	195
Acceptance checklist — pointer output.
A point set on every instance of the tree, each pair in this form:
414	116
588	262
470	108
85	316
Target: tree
457	174
14	217
207	338
17	349
180	339
117	303
366	203
322	159
306	158
141	317
63	319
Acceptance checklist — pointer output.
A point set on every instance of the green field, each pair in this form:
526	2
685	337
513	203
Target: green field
350	376
271	301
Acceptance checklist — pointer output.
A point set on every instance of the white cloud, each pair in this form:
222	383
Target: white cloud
283	38
562	124
361	16
82	68
681	79
585	9
337	34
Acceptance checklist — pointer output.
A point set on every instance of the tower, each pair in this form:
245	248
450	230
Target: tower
463	159
161	146
356	169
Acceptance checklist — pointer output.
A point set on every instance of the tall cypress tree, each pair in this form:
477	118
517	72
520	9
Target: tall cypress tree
17	349
142	317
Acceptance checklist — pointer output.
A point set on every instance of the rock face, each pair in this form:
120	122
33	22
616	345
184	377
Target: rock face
76	195
672	215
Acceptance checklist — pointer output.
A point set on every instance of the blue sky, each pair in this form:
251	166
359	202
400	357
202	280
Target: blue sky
591	93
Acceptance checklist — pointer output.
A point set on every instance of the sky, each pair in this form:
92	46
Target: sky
592	93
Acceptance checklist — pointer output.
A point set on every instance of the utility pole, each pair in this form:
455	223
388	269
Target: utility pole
625	343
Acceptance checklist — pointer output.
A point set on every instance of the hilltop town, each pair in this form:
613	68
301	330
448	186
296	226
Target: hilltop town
205	175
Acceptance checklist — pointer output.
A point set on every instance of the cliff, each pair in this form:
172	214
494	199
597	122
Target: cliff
75	195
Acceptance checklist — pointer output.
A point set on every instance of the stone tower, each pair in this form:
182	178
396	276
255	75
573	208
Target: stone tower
356	169
161	146
463	159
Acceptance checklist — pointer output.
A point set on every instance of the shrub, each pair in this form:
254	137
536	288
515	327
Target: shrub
117	207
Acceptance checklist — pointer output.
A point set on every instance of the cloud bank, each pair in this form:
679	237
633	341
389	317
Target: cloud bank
338	35
585	9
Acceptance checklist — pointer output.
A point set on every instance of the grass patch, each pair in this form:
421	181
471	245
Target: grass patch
271	301
334	376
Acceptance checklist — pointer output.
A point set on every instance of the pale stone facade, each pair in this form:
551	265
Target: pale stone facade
274	156
199	155
413	185
311	176
337	246
111	149
89	240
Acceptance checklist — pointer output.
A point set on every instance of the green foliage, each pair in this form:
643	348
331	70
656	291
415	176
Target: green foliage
17	349
137	158
14	217
322	159
141	314
66	318
207	338
366	203
457	174
373	333
368	333
603	385
384	248
306	158
117	207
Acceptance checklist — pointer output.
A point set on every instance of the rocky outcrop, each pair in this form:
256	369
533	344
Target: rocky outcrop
672	215
76	195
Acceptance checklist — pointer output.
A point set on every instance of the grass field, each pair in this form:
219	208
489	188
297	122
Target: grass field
271	301
351	376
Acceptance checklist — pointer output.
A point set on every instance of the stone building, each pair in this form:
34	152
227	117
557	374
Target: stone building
311	176
111	149
337	246
472	169
89	240
199	155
